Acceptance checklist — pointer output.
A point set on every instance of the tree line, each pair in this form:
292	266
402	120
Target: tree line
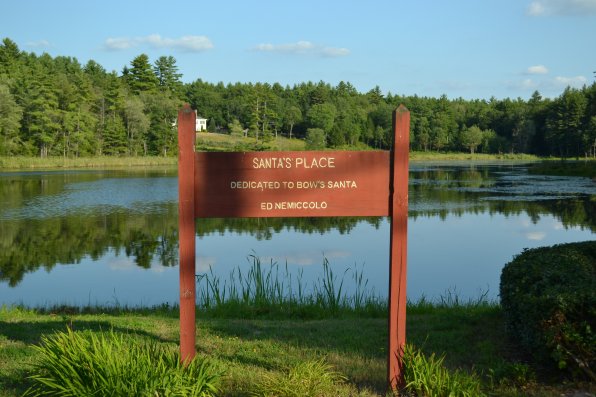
54	106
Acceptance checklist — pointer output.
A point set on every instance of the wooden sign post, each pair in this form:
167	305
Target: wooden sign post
295	184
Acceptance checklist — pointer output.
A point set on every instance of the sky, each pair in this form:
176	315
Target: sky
475	49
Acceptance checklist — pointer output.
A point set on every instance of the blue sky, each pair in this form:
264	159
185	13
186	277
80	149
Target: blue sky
467	48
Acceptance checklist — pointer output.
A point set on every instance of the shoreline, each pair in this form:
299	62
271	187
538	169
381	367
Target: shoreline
23	163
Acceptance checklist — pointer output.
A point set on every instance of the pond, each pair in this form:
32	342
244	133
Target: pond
109	237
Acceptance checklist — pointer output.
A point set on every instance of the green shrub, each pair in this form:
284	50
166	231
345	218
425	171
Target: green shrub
110	364
427	376
549	299
308	379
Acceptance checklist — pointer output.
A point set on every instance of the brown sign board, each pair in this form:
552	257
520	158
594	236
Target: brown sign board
295	184
291	184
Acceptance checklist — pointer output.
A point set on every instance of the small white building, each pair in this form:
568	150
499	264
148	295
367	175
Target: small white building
201	124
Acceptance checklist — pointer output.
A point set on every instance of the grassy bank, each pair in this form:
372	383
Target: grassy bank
212	142
30	163
470	336
458	156
221	142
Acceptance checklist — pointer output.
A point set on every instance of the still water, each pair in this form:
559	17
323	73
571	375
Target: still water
110	237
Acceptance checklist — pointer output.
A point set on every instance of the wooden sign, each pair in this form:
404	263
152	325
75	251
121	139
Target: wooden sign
295	184
291	184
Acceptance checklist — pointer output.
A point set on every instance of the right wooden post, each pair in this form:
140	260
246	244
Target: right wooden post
398	245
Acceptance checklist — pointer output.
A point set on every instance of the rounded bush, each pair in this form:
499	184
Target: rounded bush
548	296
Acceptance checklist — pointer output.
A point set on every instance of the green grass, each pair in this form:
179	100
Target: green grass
30	163
212	142
275	337
428	376
459	156
86	363
305	379
470	335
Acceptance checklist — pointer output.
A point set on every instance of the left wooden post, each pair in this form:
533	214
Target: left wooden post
186	225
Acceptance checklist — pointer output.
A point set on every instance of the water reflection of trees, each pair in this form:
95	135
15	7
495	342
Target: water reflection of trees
444	192
579	212
29	244
265	228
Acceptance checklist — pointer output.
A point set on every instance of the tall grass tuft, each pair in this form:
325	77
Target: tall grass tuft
330	296
110	364
267	288
307	379
427	376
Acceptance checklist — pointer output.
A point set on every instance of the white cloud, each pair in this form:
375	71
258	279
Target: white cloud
537	69
335	52
38	44
120	43
184	43
548	86
299	47
576	82
528	84
536	8
303	48
561	7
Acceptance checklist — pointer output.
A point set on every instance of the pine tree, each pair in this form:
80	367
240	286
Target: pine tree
140	76
167	74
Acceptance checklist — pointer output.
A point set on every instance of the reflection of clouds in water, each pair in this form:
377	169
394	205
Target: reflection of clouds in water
157	268
128	264
121	263
539	235
307	258
203	263
336	254
535	236
293	259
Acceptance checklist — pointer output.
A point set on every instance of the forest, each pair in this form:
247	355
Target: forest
54	106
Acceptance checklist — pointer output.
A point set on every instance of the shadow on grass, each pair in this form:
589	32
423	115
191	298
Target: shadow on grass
31	332
355	347
365	337
472	338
